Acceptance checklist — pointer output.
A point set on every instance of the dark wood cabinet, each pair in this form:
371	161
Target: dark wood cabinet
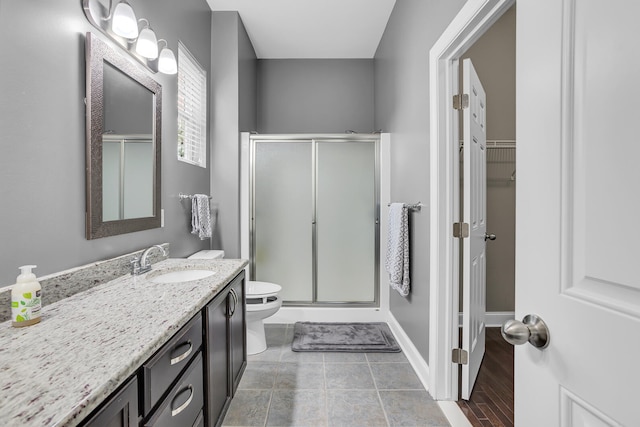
190	381
121	410
216	365
163	368
225	348
237	333
183	405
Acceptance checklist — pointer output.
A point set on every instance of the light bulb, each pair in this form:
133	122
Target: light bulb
147	44
167	62
124	22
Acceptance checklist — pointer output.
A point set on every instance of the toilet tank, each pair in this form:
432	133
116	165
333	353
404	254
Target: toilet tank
208	254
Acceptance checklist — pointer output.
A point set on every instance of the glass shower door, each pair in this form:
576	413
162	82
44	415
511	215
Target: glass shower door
282	216
346	221
315	219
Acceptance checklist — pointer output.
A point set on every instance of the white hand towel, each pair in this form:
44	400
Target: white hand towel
200	216
397	259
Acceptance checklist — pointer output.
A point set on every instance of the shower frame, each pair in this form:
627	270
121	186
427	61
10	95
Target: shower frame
314	139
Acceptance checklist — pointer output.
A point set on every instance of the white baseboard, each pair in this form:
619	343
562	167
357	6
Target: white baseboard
415	358
327	314
493	318
450	409
454	414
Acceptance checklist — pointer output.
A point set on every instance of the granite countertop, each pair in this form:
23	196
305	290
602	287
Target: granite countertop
56	372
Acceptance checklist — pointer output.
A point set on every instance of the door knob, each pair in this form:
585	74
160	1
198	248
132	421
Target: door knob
489	236
532	329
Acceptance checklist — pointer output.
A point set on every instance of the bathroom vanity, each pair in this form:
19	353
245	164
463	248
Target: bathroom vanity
131	352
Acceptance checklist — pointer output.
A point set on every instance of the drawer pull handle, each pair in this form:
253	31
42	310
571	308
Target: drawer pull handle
182	407
235	302
184	355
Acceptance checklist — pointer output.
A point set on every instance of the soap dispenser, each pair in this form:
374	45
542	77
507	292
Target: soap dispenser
26	302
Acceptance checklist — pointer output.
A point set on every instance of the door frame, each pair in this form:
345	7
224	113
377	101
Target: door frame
475	17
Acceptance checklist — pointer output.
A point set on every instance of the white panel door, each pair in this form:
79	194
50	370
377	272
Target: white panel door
577	208
474	213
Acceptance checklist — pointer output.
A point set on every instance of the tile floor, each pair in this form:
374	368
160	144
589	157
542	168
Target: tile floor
285	388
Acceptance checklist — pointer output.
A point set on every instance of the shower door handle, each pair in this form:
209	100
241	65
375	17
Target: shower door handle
489	236
532	329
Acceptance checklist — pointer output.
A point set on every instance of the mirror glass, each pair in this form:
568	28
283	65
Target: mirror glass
127	147
123	144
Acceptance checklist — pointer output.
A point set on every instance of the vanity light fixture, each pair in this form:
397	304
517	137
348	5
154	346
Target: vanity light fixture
167	63
123	21
120	24
147	43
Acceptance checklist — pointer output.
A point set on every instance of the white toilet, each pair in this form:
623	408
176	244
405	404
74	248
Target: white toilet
262	302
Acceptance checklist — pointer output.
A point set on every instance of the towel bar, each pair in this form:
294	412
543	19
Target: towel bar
186	196
413	207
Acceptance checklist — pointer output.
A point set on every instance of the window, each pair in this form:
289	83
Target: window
192	109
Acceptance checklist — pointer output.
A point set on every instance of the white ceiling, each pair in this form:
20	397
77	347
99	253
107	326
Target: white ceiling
282	29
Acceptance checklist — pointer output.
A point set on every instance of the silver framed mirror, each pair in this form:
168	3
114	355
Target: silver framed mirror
123	128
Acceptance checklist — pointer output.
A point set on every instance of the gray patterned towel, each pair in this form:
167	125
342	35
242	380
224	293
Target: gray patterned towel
200	216
397	259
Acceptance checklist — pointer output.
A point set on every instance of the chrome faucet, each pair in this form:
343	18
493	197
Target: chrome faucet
142	265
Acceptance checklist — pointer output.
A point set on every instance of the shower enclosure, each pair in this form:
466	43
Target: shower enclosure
315	217
127	176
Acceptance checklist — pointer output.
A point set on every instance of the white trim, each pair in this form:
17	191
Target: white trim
475	17
450	409
245	221
454	414
415	359
385	199
327	314
493	318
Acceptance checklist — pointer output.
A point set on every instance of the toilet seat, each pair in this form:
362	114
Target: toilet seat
262	296
260	305
262	289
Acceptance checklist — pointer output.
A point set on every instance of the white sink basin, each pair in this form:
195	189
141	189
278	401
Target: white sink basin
182	276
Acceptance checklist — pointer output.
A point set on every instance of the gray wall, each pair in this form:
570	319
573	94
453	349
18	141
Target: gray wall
42	124
233	94
315	95
402	108
248	81
494	58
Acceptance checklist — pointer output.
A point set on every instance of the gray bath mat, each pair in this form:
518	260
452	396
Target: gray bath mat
345	337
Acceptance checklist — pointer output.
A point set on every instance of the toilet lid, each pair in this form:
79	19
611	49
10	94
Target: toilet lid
262	289
208	254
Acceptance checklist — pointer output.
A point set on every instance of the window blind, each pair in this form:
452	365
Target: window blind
192	109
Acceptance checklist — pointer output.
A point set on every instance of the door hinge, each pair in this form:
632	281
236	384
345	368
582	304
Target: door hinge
460	356
460	102
460	230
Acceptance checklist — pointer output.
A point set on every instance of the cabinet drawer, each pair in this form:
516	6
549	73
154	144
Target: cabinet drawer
163	368
183	405
120	410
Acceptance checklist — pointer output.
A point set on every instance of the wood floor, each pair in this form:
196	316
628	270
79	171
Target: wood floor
491	402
